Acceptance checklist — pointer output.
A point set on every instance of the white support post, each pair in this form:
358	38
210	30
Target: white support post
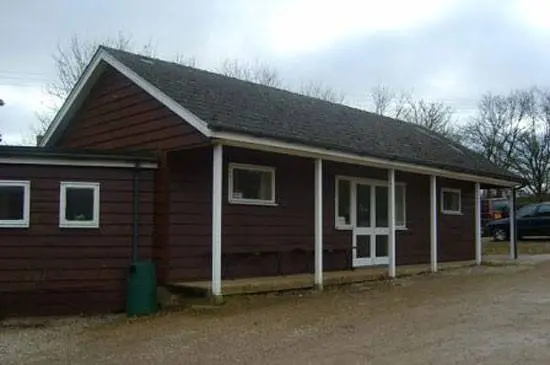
433	223
217	179
512	218
478	223
318	223
391	223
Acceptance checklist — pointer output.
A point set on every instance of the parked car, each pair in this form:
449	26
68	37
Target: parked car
493	209
532	220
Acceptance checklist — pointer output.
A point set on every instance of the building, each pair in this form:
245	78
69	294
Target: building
246	180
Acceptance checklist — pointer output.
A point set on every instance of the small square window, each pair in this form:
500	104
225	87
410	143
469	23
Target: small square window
79	205
250	184
451	201
14	203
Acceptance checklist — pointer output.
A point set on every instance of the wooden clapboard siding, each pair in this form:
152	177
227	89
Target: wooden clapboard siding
119	115
267	240
45	269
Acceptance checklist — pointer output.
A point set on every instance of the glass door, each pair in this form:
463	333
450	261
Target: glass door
370	232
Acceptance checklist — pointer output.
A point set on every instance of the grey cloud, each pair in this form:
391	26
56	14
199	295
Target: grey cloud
482	42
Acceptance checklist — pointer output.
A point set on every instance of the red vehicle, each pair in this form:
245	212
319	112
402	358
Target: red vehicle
493	209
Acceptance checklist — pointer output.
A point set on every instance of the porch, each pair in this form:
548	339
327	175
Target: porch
271	284
245	220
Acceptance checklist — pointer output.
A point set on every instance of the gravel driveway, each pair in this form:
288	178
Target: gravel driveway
488	315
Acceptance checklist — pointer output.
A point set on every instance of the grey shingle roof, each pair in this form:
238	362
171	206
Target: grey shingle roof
229	104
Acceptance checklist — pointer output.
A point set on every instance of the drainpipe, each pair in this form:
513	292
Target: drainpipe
135	218
515	224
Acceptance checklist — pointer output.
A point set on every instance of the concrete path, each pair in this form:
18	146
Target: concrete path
488	315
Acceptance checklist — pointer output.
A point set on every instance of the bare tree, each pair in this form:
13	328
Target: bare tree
388	102
185	60
498	125
257	72
532	152
319	90
434	116
70	60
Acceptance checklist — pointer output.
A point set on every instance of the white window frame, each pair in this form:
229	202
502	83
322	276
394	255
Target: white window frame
442	205
63	222
353	181
249	167
19	223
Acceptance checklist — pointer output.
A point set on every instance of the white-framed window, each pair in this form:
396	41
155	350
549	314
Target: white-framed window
451	201
342	207
15	203
344	196
251	184
400	206
79	204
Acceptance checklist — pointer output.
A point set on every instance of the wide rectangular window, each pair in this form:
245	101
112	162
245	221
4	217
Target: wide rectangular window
350	188
451	201
79	205
14	203
251	184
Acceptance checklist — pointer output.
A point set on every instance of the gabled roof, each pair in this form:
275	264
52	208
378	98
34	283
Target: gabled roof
215	103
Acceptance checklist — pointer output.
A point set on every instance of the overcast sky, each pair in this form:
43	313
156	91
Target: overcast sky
446	50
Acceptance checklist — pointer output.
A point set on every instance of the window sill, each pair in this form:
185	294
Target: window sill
350	228
252	202
451	212
79	226
14	224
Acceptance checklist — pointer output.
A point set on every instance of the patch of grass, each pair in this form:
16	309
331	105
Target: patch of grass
524	248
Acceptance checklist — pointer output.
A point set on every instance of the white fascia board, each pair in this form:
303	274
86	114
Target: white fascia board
87	80
271	145
156	93
80	163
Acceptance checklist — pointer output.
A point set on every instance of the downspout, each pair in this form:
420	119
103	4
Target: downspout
135	218
515	223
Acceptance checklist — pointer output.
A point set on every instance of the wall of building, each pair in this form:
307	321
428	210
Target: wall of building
119	115
45	269
279	240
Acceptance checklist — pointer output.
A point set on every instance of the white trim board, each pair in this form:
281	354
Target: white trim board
70	162
92	73
271	145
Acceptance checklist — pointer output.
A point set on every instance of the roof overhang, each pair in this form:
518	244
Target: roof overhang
73	162
272	145
23	155
87	80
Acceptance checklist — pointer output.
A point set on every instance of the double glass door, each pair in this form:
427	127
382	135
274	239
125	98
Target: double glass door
370	231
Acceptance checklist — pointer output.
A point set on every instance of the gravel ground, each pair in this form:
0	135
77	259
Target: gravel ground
490	315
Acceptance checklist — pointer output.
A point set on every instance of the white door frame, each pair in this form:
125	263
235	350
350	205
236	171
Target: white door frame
371	231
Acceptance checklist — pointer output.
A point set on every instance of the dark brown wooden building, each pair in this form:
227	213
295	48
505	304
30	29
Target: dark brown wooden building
251	181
